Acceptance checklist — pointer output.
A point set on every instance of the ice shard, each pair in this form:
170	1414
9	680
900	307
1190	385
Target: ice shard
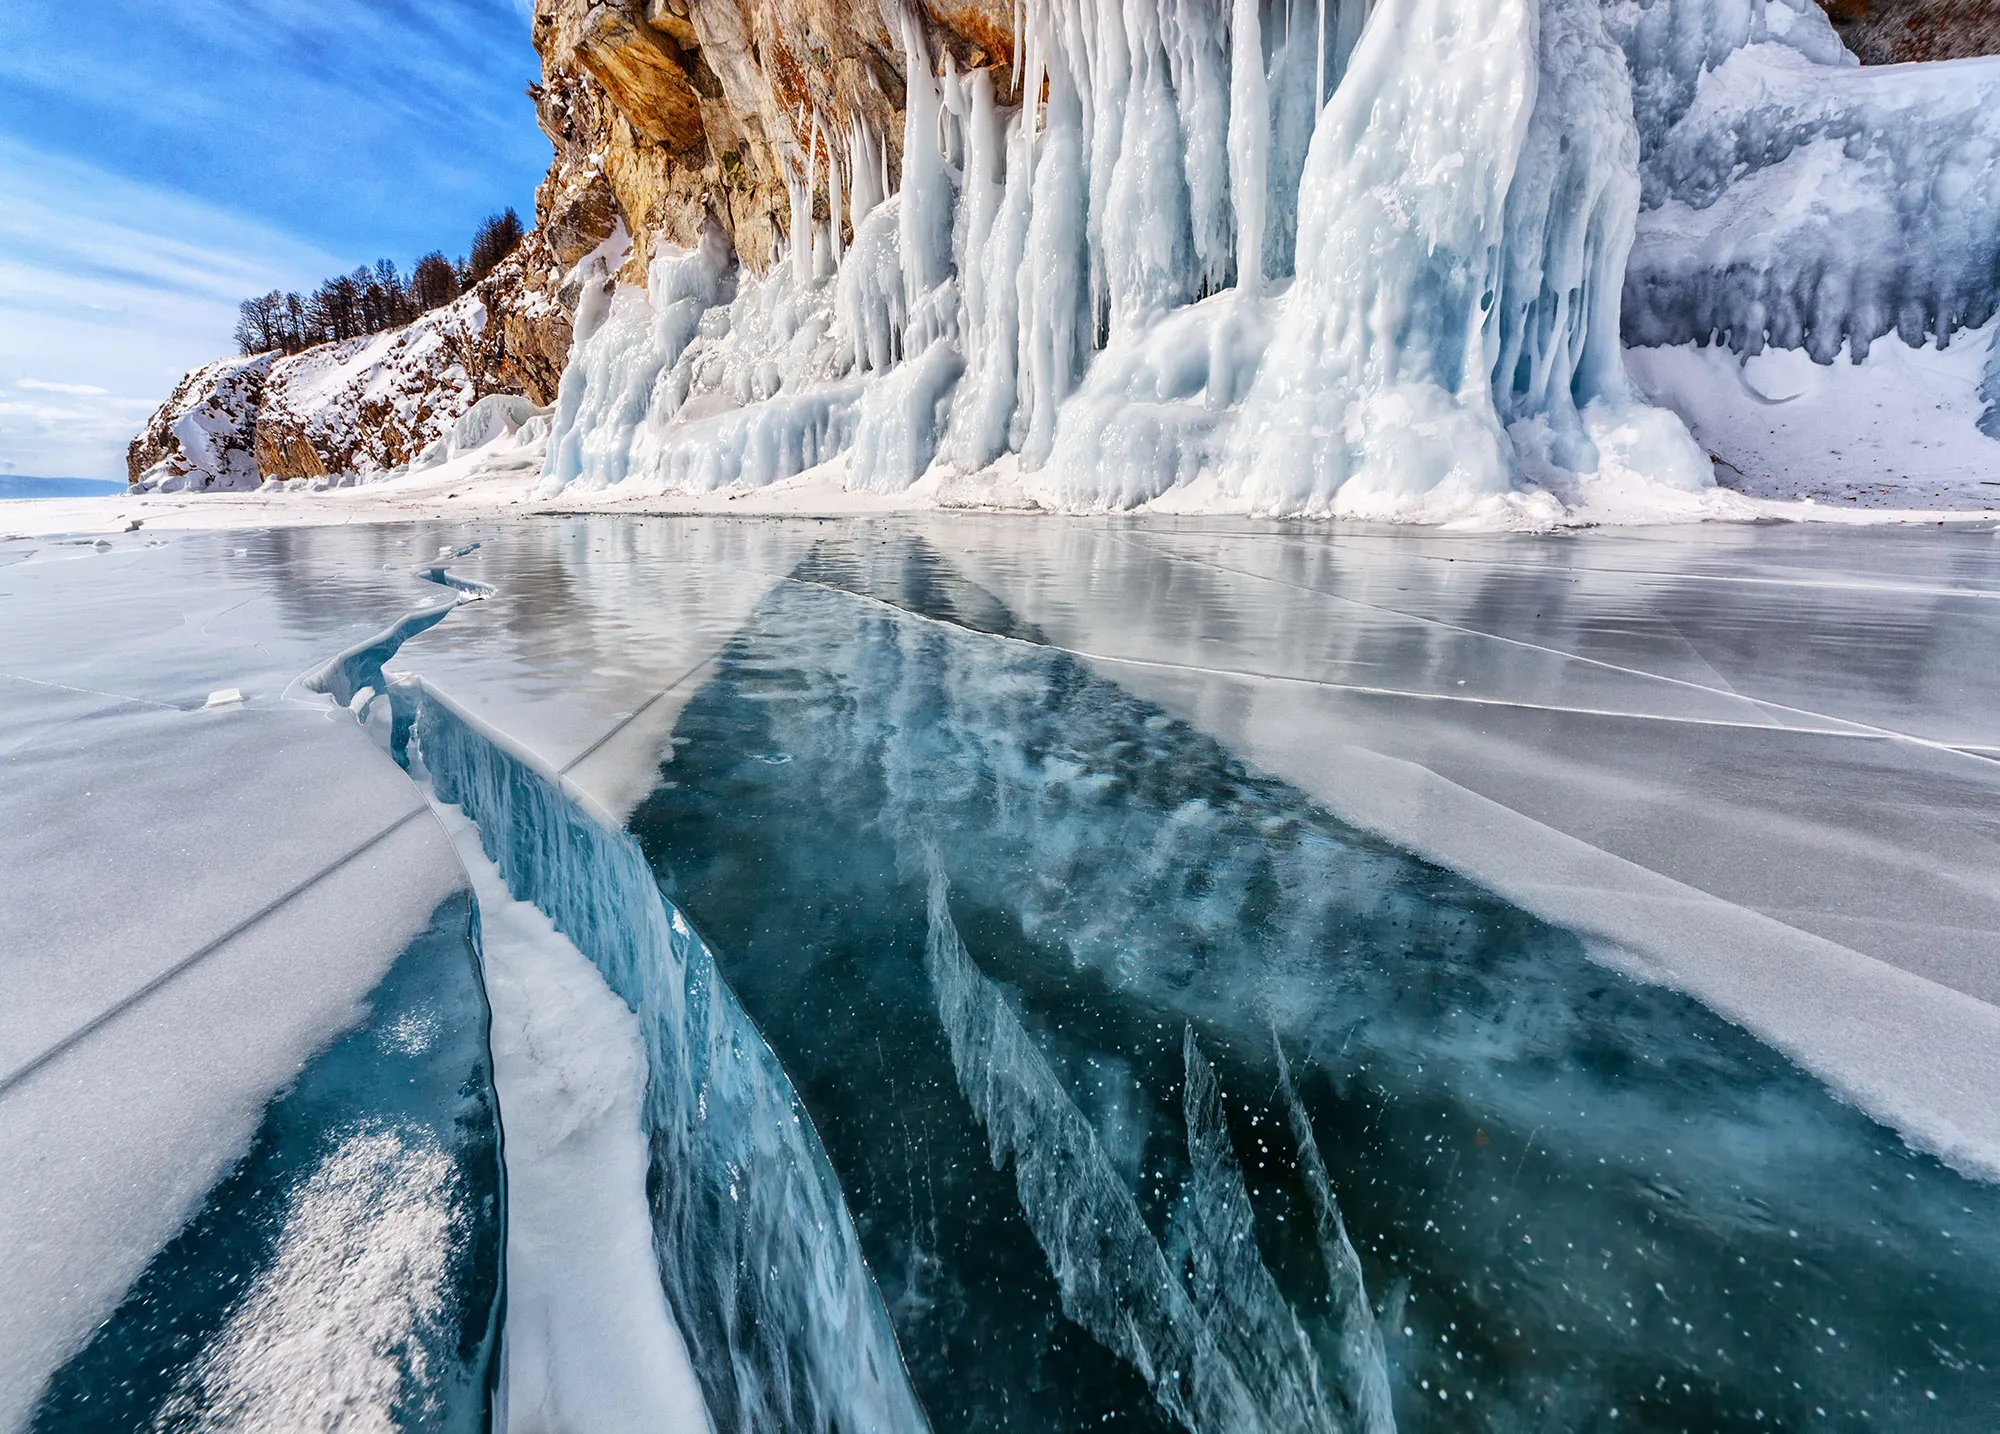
754	1241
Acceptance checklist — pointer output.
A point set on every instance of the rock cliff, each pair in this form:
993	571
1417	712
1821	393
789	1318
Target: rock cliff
203	438
679	108
363	405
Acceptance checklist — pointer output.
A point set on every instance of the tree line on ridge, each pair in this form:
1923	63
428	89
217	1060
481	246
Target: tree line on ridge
370	300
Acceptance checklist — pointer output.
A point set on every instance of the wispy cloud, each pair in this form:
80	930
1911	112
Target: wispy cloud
160	163
83	390
109	291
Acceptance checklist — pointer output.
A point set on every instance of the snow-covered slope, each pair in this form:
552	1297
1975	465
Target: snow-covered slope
366	405
203	436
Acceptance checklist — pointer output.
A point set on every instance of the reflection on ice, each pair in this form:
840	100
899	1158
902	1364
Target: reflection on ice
1567	1192
347	1270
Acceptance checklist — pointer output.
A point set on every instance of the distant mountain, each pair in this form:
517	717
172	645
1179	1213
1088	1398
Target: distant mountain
16	485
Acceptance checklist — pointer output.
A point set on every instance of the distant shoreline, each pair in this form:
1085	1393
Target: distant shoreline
20	486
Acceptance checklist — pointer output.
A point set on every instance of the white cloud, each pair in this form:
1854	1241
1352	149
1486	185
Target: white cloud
109	291
42	385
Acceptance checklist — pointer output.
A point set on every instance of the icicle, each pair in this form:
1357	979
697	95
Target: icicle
927	199
833	197
1319	59
1249	142
865	167
800	187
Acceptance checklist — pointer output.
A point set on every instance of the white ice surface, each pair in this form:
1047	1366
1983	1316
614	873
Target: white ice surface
1901	425
591	1345
1634	737
198	900
645	607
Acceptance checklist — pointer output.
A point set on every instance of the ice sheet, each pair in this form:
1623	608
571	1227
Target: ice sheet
1116	876
200	900
590	1341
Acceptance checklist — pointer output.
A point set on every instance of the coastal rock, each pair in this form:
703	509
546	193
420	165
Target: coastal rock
203	437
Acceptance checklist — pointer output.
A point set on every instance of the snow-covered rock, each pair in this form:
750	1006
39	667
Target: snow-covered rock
369	404
353	409
203	437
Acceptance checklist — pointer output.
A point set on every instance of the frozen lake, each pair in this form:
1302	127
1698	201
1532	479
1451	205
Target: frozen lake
1203	974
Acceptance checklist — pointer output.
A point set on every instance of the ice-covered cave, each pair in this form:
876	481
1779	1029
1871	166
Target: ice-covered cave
1290	258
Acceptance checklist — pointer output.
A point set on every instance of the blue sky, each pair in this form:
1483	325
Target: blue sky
161	161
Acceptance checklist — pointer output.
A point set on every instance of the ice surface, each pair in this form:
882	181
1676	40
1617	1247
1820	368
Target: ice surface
203	899
590	1342
347	1271
1199	974
1113	879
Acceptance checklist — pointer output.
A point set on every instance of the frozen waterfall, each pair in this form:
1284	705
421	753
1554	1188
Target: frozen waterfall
1292	259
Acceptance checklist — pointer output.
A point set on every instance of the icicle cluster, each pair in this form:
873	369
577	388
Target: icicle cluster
1296	258
1795	200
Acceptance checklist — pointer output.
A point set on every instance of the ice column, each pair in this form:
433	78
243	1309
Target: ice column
1147	234
1054	283
1373	398
999	156
1249	142
1467	207
927	200
1568	227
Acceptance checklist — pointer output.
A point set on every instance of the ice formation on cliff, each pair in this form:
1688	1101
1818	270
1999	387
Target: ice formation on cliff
1321	259
1797	203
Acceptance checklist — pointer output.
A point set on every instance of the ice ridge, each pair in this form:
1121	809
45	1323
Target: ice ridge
1200	1317
756	1248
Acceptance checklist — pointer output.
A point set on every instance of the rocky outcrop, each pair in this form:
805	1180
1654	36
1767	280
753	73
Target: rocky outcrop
368	405
203	437
692	107
371	404
1895	32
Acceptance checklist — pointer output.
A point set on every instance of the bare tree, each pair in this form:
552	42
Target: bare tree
434	282
498	236
372	298
260	324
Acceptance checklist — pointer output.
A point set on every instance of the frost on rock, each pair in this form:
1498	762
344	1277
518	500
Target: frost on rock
1326	260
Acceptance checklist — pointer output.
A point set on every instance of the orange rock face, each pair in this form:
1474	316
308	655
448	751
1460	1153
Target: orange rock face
688	107
1895	32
